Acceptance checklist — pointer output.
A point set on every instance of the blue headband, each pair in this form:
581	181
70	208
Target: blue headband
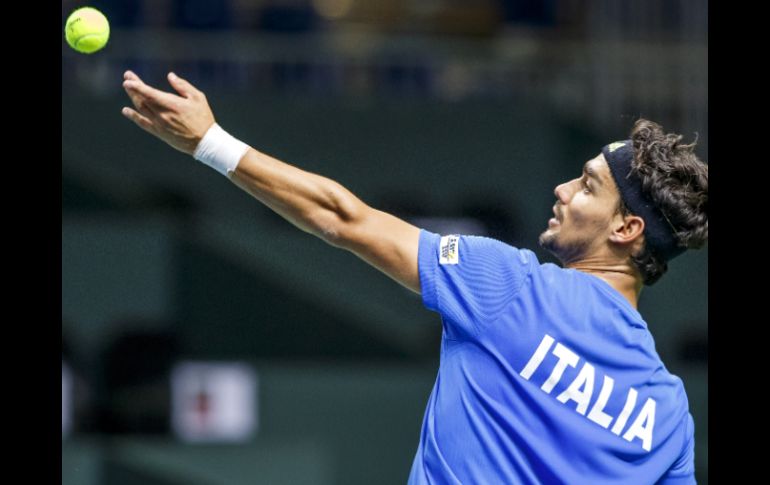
658	231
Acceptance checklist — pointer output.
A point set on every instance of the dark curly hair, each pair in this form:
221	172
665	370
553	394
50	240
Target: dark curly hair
677	183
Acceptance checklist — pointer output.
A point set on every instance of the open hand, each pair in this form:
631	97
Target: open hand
179	120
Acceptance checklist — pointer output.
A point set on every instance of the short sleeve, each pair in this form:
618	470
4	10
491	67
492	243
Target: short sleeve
682	472
469	280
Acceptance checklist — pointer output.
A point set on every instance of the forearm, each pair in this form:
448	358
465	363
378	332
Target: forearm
315	204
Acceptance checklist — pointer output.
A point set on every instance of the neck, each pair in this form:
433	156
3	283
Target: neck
623	278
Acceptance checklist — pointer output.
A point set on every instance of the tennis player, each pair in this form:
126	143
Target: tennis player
548	374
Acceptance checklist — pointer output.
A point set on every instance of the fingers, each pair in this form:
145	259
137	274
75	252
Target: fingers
140	103
130	75
182	86
151	96
142	121
137	99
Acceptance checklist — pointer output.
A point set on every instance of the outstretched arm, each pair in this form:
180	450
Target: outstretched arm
314	204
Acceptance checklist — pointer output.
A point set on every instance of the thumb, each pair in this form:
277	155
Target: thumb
182	87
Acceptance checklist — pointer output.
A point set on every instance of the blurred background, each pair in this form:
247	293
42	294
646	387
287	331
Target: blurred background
207	341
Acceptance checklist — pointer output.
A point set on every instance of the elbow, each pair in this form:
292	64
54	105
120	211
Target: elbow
329	230
332	229
336	223
346	206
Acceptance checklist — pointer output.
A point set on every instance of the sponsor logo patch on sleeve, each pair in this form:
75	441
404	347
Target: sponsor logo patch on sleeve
449	250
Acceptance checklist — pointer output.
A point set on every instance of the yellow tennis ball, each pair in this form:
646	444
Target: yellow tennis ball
87	30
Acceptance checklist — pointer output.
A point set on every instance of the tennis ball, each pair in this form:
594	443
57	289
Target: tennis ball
87	30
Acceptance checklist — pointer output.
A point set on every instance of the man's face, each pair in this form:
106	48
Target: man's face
584	210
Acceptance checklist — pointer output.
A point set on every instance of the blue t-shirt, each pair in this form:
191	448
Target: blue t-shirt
547	375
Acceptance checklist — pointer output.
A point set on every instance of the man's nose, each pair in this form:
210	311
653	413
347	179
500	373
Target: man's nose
562	193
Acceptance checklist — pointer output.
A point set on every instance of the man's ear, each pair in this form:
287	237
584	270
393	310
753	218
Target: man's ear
627	229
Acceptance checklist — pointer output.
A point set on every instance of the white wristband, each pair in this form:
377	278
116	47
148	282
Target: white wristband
220	150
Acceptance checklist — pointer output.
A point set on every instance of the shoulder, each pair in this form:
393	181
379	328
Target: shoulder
456	249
